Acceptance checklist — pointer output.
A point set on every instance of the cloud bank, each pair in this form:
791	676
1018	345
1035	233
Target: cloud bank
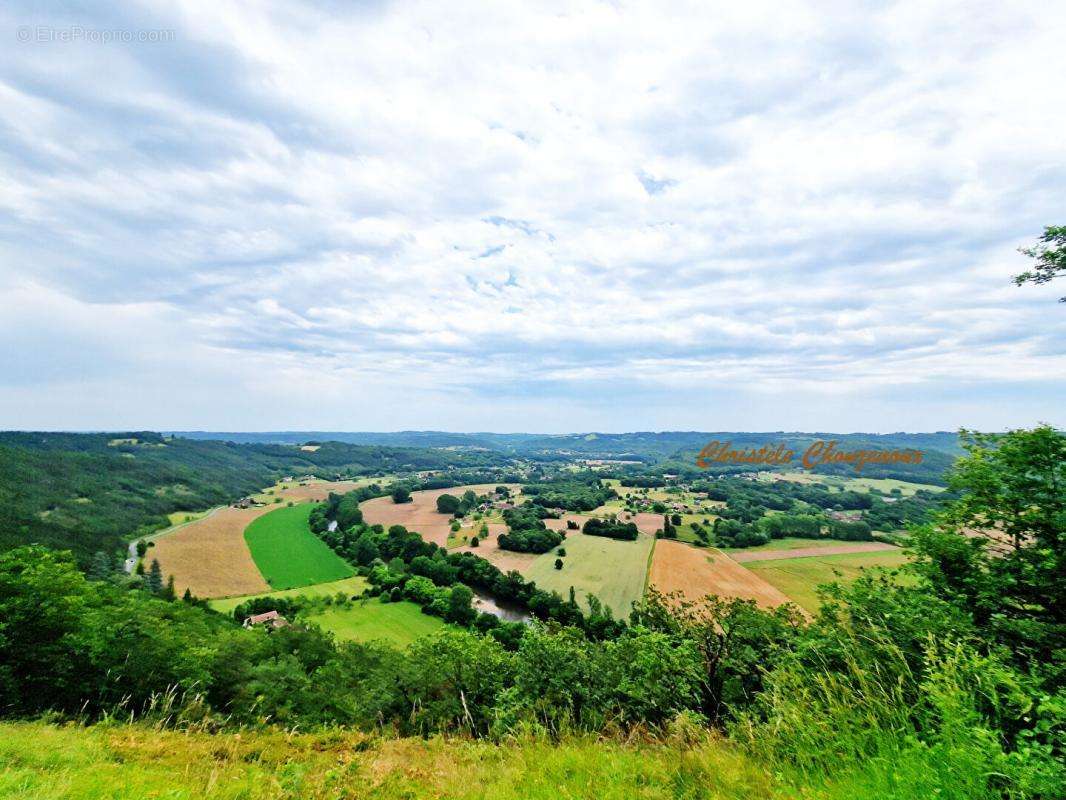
541	217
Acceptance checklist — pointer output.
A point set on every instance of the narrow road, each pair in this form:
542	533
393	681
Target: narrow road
131	561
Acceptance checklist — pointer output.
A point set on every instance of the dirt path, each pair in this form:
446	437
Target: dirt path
801	552
697	572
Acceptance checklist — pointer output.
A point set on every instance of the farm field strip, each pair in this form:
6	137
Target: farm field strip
800	577
842	548
615	571
784	543
838	483
696	572
209	556
288	554
349	586
179	518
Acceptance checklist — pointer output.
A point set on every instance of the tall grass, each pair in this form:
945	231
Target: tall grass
47	762
874	728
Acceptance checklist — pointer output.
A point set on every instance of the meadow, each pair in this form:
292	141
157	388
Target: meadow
839	484
786	543
614	571
348	586
39	761
799	578
286	552
398	624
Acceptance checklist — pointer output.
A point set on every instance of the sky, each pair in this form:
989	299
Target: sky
513	216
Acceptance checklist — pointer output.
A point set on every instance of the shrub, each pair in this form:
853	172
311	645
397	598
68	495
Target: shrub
611	528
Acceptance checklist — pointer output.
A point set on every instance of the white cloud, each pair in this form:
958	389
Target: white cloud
533	216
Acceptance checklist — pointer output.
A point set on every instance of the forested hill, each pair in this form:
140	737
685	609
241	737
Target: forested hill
674	448
90	492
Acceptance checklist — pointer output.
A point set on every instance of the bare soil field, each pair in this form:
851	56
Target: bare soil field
646	522
696	572
504	560
420	514
801	552
210	557
560	524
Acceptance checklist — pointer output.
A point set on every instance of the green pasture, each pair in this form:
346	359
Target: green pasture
613	570
286	552
799	578
349	586
399	624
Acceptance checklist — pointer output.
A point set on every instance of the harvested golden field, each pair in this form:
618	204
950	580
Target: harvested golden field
646	522
316	490
696	572
209	556
420	514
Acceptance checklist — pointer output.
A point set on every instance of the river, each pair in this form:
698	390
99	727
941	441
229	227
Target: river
505	611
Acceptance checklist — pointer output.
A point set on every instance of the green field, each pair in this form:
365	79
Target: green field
839	484
288	554
613	570
787	543
183	517
799	577
398	624
350	586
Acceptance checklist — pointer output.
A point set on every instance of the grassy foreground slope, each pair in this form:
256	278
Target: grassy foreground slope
40	761
45	762
288	554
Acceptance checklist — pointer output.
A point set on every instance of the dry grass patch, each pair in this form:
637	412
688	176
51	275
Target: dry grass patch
697	572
